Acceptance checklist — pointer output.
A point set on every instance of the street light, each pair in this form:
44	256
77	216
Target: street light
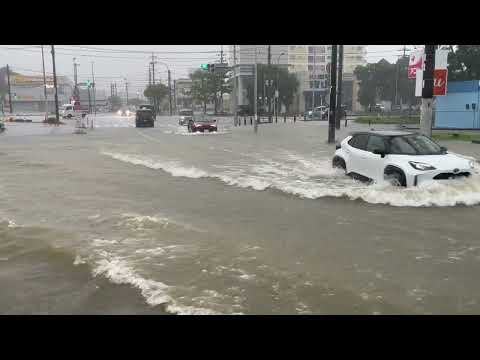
277	95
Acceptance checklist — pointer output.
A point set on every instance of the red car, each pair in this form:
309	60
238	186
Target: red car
202	124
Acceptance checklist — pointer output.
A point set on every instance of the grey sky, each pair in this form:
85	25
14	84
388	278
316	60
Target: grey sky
111	66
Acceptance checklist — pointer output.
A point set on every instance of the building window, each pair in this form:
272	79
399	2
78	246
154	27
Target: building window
310	59
310	50
321	58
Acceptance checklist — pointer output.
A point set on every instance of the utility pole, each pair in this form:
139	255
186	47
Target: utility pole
76	92
426	113
221	54
44	86
126	89
152	63
169	92
57	117
89	101
175	96
9	90
339	86
255	93
333	95
115	88
94	92
235	118
269	100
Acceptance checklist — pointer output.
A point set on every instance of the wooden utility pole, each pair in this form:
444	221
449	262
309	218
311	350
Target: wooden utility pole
57	116
333	95
9	90
94	92
44	85
170	93
426	113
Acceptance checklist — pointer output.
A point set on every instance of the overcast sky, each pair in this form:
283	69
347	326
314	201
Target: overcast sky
112	65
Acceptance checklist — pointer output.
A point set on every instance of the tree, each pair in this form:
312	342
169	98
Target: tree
135	102
286	83
367	92
115	102
464	63
156	92
209	87
377	83
202	88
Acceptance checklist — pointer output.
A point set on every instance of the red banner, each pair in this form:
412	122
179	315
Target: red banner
415	62
440	82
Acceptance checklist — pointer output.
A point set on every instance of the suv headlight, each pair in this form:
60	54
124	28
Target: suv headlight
472	164
421	166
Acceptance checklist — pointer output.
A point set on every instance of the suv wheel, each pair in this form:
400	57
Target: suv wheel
395	177
339	163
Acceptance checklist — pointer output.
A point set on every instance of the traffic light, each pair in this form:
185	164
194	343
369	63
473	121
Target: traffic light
211	68
89	84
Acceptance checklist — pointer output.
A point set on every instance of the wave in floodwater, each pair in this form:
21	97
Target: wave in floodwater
315	178
183	130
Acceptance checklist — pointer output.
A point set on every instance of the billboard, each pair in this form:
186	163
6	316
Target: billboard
415	63
440	82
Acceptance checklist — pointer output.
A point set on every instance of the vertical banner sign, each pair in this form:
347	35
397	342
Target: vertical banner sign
415	63
419	83
440	82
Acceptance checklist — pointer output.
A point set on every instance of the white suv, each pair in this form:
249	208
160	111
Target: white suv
402	158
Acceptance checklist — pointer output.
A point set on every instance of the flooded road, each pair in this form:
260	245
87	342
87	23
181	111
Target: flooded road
161	221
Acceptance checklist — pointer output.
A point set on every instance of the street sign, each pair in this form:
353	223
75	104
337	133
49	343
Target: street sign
415	63
440	82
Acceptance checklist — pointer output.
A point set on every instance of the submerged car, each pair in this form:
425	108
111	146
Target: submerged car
202	123
144	118
185	116
401	158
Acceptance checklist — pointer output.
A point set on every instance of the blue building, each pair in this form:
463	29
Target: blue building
459	108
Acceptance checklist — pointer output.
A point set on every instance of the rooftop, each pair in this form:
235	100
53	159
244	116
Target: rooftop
385	132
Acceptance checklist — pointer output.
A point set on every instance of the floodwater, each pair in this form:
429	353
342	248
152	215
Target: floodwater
160	221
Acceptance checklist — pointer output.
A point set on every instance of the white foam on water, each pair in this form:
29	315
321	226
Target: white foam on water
313	179
156	293
174	168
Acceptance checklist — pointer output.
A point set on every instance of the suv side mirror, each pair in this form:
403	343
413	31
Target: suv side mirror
379	152
444	149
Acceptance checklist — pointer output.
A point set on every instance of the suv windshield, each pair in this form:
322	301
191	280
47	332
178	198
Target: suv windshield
414	145
186	113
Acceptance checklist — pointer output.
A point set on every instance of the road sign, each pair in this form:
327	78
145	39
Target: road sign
440	82
415	63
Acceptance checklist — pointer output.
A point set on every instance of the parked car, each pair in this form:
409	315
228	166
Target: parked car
318	113
401	158
202	123
144	118
2	127
185	116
